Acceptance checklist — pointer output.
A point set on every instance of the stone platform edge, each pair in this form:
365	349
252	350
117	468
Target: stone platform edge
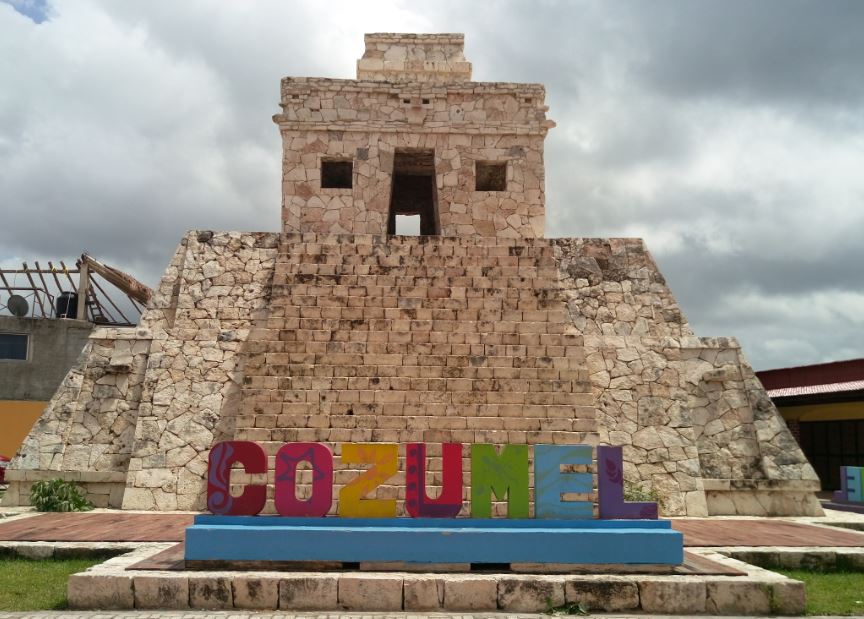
112	585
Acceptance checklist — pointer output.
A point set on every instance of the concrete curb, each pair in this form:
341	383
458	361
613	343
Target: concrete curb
110	585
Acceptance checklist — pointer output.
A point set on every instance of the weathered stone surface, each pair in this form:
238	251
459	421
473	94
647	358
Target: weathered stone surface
370	592
788	598
255	593
163	592
607	595
210	592
308	592
104	591
673	596
470	593
726	597
423	593
529	594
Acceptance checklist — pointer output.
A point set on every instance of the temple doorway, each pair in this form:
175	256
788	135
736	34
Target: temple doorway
413	193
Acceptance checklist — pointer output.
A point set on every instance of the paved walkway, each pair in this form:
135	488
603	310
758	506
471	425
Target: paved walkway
117	526
354	615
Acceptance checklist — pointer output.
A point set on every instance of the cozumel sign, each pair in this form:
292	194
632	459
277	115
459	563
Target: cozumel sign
504	474
367	530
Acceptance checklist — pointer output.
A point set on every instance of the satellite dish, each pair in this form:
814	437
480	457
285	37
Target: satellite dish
18	305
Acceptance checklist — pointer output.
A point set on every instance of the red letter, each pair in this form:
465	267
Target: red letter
222	457
287	459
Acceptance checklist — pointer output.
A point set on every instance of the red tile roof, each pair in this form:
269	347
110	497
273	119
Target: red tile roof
785	392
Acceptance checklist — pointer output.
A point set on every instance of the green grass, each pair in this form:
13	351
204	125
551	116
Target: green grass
831	592
27	584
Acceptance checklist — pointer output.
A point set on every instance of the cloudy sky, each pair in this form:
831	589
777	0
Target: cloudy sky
730	135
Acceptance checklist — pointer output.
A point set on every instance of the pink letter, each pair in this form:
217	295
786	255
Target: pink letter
288	458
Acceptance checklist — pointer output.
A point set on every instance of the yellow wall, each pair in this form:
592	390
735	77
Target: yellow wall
839	411
16	419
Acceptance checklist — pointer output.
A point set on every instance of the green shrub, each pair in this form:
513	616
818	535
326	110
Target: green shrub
58	495
635	493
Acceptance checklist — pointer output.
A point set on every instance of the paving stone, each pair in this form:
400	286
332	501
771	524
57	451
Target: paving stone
210	592
422	593
728	596
788	597
608	595
370	592
530	594
255	593
678	595
470	593
36	551
160	592
308	592
102	591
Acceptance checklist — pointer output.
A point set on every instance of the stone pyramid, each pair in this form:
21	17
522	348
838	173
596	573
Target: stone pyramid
478	330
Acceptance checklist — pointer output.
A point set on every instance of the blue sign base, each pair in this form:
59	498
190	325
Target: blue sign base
433	540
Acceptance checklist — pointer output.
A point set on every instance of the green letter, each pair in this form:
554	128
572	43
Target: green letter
505	474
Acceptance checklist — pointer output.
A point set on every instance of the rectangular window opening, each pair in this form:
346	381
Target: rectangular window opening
491	176
13	346
336	174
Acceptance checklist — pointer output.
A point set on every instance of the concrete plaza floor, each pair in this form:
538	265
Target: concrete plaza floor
726	576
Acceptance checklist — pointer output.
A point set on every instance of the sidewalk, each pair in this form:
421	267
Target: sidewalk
346	615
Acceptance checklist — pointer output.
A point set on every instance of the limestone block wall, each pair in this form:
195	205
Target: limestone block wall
414	57
214	289
615	288
695	423
338	338
411	339
87	429
363	209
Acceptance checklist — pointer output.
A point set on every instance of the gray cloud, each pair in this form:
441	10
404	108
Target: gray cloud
728	135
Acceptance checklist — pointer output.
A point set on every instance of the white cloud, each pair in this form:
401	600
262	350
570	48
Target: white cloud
122	124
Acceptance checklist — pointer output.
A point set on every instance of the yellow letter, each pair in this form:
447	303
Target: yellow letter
384	460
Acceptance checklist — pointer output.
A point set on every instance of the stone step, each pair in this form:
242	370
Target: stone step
489	288
298	349
520	413
257	402
381	337
415	423
355	308
316	398
262	366
288	240
329	385
427	342
300	364
399	435
366	274
360	303
120	583
306	327
347	318
386	262
275	418
531	258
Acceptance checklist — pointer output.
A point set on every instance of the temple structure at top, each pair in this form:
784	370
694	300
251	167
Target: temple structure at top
413	136
480	330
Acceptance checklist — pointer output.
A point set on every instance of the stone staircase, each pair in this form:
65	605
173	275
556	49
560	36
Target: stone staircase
413	339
